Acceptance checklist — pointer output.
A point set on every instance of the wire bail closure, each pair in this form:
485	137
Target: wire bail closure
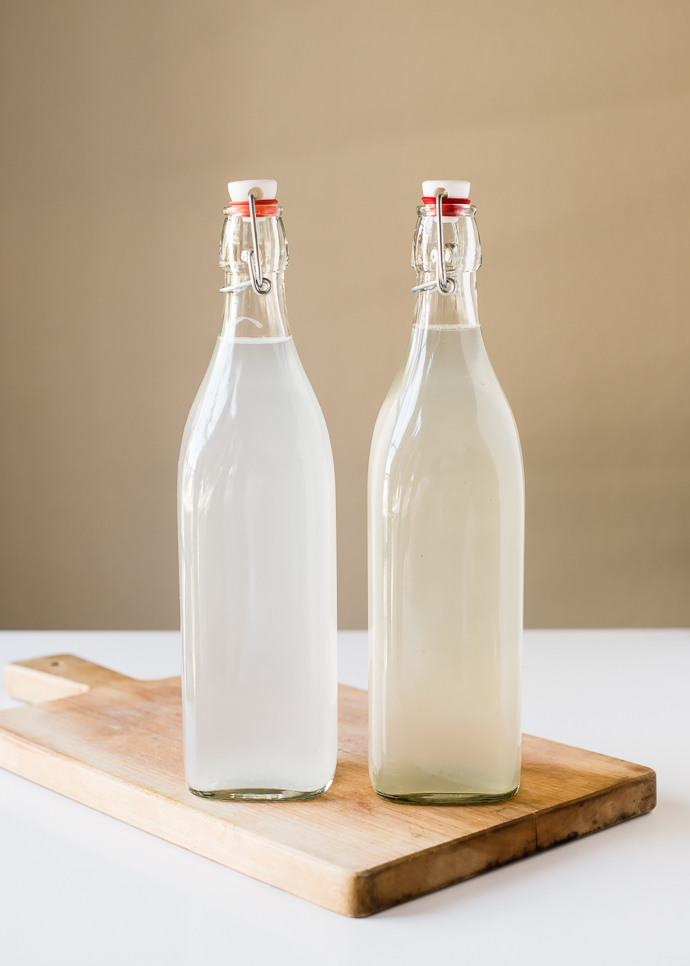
444	285
261	285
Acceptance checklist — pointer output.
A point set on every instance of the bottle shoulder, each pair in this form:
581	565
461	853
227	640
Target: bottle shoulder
255	395
445	398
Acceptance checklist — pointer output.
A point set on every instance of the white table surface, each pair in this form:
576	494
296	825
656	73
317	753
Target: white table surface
78	887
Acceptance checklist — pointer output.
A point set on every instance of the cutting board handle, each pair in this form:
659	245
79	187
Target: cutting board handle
57	676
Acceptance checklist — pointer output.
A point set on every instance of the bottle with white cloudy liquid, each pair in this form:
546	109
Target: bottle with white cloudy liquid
446	520
257	540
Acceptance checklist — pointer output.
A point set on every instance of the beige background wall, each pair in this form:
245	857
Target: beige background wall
123	120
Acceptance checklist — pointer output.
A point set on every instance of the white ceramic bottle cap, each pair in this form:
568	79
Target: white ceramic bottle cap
265	189
455	189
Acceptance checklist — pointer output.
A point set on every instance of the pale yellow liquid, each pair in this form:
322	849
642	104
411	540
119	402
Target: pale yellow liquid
446	511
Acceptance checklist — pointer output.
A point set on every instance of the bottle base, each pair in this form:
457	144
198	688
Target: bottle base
259	794
447	798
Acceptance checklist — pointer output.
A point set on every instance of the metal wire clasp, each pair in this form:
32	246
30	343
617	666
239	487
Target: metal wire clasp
261	285
444	286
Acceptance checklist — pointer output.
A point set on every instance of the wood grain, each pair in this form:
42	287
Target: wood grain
115	743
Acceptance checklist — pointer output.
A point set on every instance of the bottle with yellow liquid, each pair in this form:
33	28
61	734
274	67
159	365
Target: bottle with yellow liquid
446	533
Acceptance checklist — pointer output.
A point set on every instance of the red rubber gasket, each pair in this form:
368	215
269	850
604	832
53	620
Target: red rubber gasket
449	206
265	206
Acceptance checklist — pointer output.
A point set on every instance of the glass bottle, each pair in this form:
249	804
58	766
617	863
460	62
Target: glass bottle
446	524
257	540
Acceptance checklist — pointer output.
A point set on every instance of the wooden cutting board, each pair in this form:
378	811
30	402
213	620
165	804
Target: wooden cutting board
115	743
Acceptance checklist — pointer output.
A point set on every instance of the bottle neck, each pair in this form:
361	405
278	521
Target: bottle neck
458	310
461	258
247	315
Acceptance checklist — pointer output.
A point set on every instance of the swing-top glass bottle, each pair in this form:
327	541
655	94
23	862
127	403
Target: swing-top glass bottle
446	512
257	540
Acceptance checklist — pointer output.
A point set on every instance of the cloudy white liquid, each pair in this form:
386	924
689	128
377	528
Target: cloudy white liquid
257	528
445	544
